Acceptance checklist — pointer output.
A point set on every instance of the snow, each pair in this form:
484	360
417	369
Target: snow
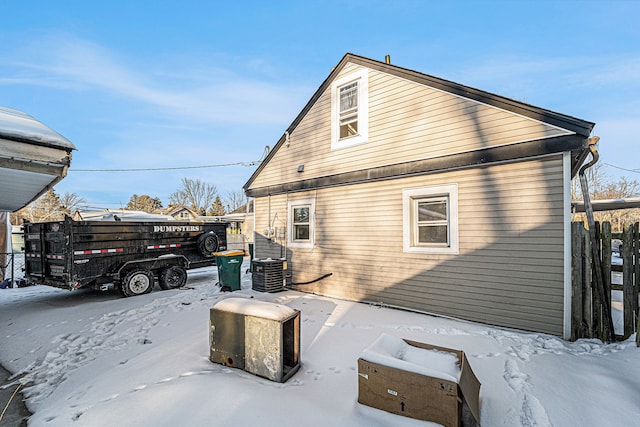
91	358
392	351
255	308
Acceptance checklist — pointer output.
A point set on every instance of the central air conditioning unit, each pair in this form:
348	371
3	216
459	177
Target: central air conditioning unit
268	275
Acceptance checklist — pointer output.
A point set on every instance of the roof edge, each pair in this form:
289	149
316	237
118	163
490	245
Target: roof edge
300	116
579	126
20	127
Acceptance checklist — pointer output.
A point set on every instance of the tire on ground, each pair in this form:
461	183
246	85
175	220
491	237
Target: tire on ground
173	277
137	282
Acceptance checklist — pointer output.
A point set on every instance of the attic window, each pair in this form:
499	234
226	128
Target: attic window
349	110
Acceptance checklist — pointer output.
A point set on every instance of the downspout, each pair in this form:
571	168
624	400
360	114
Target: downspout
605	297
286	226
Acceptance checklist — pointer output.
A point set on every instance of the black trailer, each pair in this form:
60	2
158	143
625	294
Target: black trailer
76	254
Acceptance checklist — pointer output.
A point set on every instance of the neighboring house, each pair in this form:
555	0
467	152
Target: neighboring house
240	228
421	193
179	213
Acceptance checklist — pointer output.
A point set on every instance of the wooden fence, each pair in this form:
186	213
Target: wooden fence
587	309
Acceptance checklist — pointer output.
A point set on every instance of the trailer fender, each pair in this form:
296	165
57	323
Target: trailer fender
152	264
208	243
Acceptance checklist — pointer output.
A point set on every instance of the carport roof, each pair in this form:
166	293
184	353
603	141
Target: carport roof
33	158
18	126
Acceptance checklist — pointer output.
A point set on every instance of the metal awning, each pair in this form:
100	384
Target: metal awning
33	158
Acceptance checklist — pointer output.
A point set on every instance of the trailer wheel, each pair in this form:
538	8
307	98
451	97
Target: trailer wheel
137	282
173	277
208	243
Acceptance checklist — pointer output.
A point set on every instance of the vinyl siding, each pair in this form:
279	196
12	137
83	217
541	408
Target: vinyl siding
407	121
509	270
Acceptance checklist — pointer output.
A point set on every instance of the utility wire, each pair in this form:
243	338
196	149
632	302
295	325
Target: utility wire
247	164
265	153
618	167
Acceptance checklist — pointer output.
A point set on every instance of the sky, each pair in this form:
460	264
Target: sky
201	89
90	358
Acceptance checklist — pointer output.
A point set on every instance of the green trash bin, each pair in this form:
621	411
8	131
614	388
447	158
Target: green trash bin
229	266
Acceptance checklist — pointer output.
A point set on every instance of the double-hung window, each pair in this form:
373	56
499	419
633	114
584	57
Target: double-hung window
430	219
301	219
301	223
431	226
350	110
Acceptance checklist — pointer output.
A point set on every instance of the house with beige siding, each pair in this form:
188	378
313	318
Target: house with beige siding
399	188
179	212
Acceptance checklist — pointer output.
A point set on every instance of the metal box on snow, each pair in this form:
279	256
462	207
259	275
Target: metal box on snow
260	337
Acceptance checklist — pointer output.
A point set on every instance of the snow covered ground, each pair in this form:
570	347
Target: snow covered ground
95	359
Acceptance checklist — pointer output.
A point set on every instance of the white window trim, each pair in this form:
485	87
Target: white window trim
312	223
408	195
362	76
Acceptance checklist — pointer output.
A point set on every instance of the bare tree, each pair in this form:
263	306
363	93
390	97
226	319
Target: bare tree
48	207
602	188
69	202
234	200
45	208
596	178
194	194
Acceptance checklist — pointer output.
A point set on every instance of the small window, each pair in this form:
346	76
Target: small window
349	110
301	223
430	219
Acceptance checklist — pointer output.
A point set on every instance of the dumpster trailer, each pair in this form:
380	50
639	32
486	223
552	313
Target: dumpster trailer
132	255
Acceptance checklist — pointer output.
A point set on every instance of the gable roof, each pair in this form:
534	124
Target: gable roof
579	126
243	209
174	209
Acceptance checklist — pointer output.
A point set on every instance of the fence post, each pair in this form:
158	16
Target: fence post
605	237
13	270
577	269
636	282
627	280
587	288
637	333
